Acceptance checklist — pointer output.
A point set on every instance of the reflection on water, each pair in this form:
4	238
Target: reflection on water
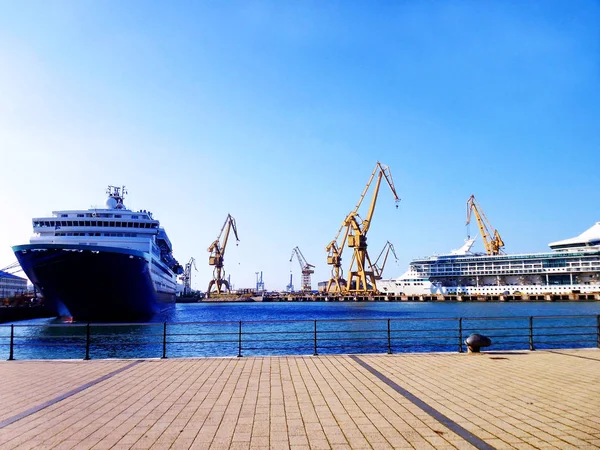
213	329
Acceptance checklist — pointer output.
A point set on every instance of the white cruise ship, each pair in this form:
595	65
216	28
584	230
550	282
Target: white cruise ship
102	264
573	266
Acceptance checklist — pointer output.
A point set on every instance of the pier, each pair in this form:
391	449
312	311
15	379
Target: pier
492	400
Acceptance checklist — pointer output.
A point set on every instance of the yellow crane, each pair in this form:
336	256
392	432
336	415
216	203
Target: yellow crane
491	239
217	256
385	253
305	267
362	278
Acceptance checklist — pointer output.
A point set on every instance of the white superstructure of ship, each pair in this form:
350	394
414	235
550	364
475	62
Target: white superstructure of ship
572	266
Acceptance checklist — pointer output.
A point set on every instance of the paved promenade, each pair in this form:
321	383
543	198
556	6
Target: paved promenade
522	400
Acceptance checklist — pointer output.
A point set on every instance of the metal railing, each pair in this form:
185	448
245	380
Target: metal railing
292	337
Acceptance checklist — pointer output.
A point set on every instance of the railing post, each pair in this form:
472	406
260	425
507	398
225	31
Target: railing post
11	353
315	352
460	332
164	355
598	330
87	342
531	346
240	341
389	338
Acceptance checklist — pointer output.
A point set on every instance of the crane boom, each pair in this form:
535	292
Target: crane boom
305	267
491	239
217	256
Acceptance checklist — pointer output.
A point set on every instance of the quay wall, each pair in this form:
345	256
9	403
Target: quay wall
299	297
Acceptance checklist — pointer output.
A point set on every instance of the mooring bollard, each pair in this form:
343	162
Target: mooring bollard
475	341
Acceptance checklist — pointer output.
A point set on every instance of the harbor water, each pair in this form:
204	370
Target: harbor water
307	328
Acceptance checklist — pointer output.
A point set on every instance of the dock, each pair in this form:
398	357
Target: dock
490	400
380	297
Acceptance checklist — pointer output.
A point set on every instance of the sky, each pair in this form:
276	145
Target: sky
277	113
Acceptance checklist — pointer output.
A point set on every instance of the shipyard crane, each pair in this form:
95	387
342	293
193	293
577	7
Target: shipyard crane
186	277
12	268
491	239
217	256
385	253
305	267
354	230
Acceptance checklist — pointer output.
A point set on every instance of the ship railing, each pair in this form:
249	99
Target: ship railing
293	337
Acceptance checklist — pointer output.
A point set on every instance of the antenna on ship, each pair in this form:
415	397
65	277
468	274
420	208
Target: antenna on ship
116	195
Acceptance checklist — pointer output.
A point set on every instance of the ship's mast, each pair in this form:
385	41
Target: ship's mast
118	193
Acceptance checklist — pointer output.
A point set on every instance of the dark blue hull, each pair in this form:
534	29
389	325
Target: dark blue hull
99	284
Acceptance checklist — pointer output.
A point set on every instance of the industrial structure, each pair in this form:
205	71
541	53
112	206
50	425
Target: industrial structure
305	267
492	241
354	231
290	287
12	285
378	269
260	285
186	277
217	257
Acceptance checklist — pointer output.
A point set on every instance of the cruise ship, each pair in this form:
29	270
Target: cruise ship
103	264
572	266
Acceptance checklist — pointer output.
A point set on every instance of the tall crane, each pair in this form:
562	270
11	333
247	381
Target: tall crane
385	253
362	278
306	268
186	277
491	239
217	256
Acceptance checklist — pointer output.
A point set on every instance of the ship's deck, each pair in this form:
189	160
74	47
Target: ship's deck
543	399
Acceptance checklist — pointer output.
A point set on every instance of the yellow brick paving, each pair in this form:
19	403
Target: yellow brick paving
509	400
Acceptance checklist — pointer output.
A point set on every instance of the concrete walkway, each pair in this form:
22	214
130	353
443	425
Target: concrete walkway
523	400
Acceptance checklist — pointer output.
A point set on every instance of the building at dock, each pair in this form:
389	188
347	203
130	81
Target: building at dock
11	285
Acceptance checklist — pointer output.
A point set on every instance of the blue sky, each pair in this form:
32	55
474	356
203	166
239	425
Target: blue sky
276	112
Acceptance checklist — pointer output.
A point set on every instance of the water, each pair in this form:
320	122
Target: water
213	329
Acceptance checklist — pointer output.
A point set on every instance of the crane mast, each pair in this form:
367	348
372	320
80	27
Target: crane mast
362	277
217	257
305	267
385	253
491	239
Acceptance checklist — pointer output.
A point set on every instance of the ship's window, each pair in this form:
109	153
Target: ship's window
112	224
79	215
63	223
117	216
69	223
119	234
81	223
129	225
136	225
98	234
93	222
134	217
64	215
